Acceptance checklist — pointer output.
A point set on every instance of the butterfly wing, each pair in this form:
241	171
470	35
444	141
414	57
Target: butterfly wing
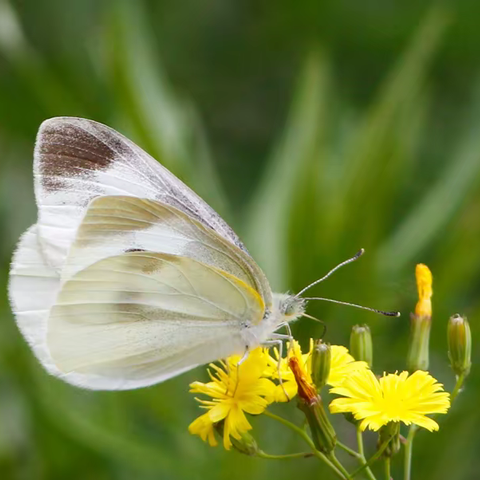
33	288
114	225
139	318
77	160
129	332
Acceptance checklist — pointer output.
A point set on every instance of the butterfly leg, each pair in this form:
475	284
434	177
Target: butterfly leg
288	337
245	356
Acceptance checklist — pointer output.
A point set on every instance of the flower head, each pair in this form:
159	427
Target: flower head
342	364
234	390
287	389
392	398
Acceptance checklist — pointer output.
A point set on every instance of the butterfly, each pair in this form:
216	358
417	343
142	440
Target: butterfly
129	278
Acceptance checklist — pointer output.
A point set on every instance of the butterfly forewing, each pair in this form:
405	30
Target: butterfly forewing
77	160
113	225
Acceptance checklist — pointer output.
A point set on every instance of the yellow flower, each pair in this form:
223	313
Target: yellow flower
393	398
288	385
342	365
234	390
425	292
203	427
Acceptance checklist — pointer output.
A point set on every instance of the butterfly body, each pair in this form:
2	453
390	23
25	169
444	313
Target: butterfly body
128	277
285	309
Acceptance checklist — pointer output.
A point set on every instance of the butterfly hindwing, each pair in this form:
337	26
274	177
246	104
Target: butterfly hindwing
138	318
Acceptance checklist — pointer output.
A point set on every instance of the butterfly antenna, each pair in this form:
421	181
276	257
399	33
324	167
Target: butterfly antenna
324	325
340	265
381	312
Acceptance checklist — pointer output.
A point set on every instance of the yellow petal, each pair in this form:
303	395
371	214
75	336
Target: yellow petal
425	292
203	427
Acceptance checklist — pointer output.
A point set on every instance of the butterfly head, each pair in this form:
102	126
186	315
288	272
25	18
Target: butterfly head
289	307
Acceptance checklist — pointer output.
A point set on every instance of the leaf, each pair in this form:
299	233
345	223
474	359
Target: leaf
440	204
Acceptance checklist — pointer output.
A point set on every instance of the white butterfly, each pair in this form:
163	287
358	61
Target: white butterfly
128	277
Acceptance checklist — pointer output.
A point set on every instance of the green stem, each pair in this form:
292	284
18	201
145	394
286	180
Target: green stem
360	442
347	449
458	387
308	440
361	452
414	428
335	461
372	459
387	468
283	457
408	453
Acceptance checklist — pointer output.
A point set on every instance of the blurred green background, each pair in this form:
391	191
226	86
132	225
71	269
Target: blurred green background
315	128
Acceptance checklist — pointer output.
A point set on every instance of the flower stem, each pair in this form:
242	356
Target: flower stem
335	461
458	387
361	453
372	459
309	441
408	453
350	451
360	442
387	468
287	456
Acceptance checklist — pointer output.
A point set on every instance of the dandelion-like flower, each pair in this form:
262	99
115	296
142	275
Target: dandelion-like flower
342	364
288	386
392	398
234	389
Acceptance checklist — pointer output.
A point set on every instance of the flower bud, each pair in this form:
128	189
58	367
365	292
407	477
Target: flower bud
321	360
361	347
420	322
390	433
323	434
246	444
459	345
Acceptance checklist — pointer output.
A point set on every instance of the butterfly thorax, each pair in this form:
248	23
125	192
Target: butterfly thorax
285	308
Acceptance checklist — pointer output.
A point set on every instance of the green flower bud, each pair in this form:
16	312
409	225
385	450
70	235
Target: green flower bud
390	433
361	347
321	360
418	349
459	344
310	403
246	444
323	434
